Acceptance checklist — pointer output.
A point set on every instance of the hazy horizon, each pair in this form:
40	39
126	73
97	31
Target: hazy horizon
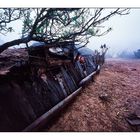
125	34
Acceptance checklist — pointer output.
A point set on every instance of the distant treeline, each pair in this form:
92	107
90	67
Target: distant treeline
125	54
137	53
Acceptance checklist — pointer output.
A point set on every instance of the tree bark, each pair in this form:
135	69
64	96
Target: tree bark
13	43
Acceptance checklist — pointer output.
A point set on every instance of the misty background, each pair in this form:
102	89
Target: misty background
124	37
123	40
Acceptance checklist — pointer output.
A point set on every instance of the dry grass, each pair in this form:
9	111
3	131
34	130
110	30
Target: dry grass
120	81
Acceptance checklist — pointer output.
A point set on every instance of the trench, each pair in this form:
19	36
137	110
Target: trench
26	96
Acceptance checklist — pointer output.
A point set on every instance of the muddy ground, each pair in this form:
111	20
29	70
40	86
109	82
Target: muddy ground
106	103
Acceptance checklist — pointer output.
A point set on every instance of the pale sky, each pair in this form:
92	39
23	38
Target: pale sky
125	33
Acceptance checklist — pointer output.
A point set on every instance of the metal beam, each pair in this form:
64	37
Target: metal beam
41	121
89	77
45	118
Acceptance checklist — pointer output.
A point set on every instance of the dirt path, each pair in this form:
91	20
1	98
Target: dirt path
119	84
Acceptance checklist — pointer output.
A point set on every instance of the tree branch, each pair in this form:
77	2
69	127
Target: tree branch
13	43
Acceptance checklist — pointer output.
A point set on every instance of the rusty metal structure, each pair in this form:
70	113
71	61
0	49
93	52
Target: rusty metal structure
41	80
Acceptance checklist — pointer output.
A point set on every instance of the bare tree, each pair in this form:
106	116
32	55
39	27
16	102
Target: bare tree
52	25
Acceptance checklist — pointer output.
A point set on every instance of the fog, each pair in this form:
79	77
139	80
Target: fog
124	37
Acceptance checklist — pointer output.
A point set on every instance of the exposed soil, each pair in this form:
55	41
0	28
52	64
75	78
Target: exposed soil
105	104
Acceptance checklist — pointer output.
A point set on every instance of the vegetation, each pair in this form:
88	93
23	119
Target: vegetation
137	53
52	25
